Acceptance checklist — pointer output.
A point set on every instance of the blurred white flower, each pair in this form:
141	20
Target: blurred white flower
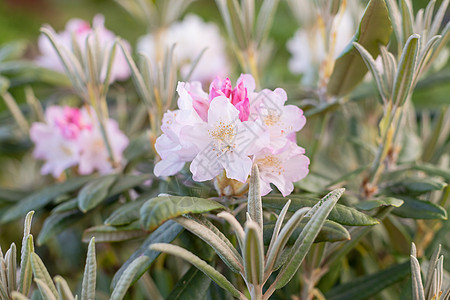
78	30
191	36
308	46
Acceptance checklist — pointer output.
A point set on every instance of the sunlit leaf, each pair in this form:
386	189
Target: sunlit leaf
160	209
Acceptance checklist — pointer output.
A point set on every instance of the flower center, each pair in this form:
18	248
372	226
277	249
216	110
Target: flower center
271	116
224	135
271	164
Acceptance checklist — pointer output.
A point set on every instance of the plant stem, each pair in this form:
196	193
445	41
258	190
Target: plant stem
16	113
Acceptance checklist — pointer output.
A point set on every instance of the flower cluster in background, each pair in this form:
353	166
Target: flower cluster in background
191	36
77	31
308	46
229	129
72	137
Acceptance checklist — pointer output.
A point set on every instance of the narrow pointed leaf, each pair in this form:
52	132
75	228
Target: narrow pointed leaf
283	238
200	264
371	65
26	272
277	228
253	254
307	237
127	277
417	287
64	292
228	254
254	197
405	70
40	273
11	262
46	291
407	17
90	273
166	233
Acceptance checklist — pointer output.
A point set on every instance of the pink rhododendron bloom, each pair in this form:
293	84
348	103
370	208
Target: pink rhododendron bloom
191	36
71	137
229	129
225	142
79	30
94	155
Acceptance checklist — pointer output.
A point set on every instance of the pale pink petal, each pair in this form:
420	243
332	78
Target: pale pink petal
168	167
221	110
237	166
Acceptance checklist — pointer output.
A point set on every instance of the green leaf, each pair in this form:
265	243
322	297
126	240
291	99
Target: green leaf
12	50
66	206
213	237
341	214
95	192
90	273
57	223
42	197
419	209
405	70
372	66
164	234
25	265
253	254
376	203
433	170
374	30
128	212
254	205
64	292
416	186
319	214
367	286
126	182
127	277
106	233
40	273
11	265
417	286
200	264
158	210
192	286
45	290
330	232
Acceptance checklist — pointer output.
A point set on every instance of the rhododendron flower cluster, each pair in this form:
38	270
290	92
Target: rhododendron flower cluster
79	30
72	137
191	36
231	128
